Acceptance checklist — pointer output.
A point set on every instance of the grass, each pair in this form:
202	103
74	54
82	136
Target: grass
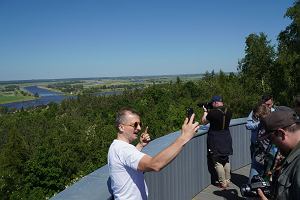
14	98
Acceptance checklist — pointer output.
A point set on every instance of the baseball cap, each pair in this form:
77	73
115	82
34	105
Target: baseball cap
216	98
279	119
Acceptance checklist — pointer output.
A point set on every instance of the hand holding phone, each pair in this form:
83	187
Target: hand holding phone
189	113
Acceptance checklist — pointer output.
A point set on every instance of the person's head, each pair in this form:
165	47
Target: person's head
267	100
283	128
261	111
217	101
128	124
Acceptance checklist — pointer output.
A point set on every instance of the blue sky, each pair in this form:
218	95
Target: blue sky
100	38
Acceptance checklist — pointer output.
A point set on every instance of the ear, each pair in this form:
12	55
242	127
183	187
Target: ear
281	133
121	128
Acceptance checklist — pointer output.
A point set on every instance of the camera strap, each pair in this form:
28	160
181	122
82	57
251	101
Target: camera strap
224	117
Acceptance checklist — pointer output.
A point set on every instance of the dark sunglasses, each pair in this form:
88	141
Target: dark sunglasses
134	125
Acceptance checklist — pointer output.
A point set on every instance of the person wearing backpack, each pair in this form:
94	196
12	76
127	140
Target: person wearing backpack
219	141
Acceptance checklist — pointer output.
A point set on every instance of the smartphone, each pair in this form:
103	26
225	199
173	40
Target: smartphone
189	113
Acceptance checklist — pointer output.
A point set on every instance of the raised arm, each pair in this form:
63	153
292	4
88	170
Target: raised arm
159	161
203	119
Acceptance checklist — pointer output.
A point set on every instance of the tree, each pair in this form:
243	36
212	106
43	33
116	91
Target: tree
255	67
285	81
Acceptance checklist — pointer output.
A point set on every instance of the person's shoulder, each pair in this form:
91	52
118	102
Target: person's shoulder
119	144
223	109
121	148
214	110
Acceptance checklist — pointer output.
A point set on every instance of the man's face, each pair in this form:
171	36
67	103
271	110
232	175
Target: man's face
216	104
269	103
131	127
277	138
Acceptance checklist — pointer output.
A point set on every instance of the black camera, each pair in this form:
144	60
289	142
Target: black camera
189	113
207	105
250	190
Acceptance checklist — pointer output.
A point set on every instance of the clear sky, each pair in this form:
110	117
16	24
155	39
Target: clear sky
41	39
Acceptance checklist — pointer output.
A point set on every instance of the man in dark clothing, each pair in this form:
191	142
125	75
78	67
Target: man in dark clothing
219	141
283	129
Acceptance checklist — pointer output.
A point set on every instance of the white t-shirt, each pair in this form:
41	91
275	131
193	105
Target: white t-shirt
127	182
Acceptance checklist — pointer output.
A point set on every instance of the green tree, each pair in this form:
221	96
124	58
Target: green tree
255	67
285	81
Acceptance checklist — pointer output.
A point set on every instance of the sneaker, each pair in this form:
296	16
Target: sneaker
222	185
227	182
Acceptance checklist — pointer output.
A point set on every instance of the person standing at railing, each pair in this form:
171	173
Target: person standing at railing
253	123
127	163
219	141
261	146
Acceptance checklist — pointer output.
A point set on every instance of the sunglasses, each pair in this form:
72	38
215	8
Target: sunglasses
134	125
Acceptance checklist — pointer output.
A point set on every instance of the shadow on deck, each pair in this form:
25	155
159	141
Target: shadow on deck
238	178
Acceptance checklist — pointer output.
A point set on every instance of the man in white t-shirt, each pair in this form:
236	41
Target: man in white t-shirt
127	163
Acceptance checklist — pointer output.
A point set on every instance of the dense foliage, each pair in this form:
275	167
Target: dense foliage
44	150
264	69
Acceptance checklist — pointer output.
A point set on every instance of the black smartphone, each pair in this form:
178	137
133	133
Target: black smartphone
189	113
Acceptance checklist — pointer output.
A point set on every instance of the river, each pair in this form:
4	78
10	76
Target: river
45	97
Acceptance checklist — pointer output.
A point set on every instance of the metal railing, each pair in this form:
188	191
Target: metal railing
183	178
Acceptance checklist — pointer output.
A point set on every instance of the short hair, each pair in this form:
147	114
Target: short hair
266	97
121	115
261	110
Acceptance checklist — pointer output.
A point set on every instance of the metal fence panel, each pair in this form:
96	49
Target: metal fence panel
182	179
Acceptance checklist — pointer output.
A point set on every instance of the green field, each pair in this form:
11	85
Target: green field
14	98
92	85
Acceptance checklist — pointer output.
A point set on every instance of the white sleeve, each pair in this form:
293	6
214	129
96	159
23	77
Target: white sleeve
132	157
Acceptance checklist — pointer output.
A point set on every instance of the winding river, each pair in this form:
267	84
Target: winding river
45	97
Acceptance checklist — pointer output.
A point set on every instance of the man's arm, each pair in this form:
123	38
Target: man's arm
295	193
159	161
203	119
252	123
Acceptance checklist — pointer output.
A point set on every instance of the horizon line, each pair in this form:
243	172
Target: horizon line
100	77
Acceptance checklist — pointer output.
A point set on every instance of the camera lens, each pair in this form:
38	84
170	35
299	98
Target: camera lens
245	190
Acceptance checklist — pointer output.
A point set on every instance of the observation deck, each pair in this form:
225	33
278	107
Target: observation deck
186	177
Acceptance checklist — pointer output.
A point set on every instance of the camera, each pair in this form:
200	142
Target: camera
250	190
189	113
207	105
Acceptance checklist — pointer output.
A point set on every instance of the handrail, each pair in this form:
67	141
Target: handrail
183	178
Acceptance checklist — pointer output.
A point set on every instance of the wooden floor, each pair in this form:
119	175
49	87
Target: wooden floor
238	178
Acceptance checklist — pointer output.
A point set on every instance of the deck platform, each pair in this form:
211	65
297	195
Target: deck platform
238	178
